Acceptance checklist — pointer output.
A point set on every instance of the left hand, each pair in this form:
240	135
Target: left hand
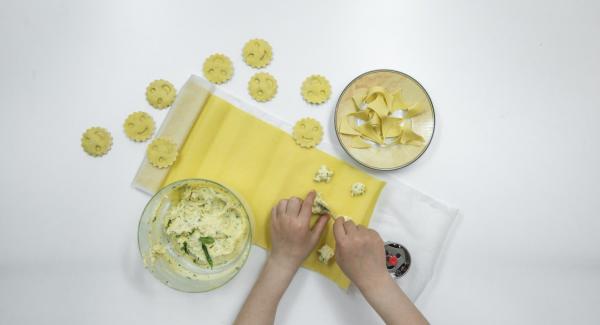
292	238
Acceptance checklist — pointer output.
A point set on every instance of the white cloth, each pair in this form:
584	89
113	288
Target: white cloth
403	214
419	223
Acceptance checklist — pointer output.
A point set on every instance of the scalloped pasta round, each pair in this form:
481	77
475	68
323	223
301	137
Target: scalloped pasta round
96	141
160	94
316	89
161	153
218	68
257	53
262	87
307	132
139	126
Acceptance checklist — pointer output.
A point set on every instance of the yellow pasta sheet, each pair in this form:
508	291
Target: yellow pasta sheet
263	164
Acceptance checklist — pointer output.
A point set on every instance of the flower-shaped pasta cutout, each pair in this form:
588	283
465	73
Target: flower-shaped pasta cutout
257	53
262	86
160	94
139	126
218	68
307	132
316	89
96	141
161	152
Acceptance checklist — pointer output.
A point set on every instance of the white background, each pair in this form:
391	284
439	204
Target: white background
516	89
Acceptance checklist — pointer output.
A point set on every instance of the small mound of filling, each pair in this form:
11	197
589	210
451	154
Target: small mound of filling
324	175
320	206
358	189
325	254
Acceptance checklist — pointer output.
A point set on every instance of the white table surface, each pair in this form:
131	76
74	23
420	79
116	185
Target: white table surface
516	89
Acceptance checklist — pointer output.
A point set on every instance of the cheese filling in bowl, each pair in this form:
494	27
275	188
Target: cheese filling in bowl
195	235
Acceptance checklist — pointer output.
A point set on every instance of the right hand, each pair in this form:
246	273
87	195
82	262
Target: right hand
360	253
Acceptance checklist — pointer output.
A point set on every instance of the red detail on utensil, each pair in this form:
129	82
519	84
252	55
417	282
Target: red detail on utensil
393	260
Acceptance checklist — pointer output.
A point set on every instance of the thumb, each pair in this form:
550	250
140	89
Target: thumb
319	227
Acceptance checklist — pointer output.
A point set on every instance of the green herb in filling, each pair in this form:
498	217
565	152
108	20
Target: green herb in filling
208	258
185	248
207	240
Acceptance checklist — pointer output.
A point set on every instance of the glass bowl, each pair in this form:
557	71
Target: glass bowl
163	237
394	156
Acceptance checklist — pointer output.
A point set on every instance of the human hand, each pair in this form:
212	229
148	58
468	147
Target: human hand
292	239
360	253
